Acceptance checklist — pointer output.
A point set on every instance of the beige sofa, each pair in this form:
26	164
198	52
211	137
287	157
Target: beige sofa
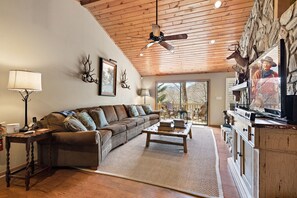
89	148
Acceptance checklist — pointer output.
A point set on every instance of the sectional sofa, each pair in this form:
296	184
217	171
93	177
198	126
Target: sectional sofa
89	147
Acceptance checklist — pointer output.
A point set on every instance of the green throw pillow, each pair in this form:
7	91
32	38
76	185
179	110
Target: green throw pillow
147	109
86	119
133	111
140	110
73	124
99	118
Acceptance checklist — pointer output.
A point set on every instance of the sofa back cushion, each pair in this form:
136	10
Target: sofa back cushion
99	118
73	124
121	111
86	120
110	113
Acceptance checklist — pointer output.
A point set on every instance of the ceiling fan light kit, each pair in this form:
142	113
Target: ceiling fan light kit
218	4
156	36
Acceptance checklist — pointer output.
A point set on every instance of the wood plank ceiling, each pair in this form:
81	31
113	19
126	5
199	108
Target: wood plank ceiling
129	23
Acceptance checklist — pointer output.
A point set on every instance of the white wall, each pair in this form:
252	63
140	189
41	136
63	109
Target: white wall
217	90
51	36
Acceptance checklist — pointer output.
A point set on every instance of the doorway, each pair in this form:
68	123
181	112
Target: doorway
184	99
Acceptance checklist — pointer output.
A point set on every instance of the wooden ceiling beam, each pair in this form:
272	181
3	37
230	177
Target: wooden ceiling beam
86	2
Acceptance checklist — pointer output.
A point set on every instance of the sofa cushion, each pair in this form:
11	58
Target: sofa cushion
132	110
121	111
86	119
105	135
129	123
116	128
138	120
99	117
147	108
110	113
146	118
73	124
153	116
140	110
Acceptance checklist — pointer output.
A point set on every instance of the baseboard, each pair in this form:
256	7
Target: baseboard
237	180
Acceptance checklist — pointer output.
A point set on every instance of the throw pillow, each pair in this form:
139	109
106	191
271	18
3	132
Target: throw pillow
99	118
147	109
133	111
73	124
86	119
140	110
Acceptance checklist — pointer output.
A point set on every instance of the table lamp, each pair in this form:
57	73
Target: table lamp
144	93
25	82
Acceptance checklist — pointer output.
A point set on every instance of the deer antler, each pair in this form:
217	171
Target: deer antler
87	74
124	80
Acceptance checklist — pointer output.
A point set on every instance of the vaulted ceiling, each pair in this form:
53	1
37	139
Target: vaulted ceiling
129	23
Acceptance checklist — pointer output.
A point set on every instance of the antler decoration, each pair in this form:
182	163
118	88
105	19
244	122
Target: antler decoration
237	56
87	74
124	80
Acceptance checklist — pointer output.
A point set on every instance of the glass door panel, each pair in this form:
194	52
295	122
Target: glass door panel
187	100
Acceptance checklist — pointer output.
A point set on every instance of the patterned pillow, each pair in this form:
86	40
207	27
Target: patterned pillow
140	110
147	109
73	124
99	118
86	119
133	111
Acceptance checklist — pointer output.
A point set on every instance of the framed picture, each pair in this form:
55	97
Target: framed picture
107	77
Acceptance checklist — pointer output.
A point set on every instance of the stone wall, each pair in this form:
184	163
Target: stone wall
262	31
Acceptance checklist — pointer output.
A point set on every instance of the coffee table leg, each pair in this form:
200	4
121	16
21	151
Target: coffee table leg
185	144
148	138
190	133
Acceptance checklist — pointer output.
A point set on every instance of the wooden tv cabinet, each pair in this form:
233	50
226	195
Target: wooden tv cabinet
264	157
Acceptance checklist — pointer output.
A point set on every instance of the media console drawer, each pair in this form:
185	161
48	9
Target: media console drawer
246	131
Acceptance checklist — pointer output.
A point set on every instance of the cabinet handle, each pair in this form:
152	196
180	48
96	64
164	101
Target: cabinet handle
239	154
244	129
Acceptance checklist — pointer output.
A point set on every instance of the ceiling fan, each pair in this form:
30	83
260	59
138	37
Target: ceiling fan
156	36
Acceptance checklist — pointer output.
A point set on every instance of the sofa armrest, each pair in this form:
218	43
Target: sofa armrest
77	138
156	112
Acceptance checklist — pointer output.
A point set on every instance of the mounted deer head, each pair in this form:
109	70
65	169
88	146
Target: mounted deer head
236	55
124	80
87	74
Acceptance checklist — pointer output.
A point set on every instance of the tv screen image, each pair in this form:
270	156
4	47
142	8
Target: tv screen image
267	78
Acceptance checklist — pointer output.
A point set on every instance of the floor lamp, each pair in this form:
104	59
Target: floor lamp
25	83
144	93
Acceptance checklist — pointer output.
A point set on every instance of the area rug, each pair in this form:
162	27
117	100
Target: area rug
195	173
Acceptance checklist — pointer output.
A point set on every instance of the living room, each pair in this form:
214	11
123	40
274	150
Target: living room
53	37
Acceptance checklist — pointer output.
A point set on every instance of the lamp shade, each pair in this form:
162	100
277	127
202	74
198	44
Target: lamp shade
145	92
24	80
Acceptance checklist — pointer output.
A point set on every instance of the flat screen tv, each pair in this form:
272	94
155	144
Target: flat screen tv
268	82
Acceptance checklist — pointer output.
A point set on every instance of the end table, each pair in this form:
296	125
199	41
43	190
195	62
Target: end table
28	139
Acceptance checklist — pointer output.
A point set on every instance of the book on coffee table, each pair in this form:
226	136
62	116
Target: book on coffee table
165	128
179	123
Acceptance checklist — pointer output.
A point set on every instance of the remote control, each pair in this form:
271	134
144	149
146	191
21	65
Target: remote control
29	132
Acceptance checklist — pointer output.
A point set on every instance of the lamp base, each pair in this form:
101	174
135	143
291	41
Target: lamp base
24	129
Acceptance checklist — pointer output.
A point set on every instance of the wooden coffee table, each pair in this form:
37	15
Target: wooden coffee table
177	132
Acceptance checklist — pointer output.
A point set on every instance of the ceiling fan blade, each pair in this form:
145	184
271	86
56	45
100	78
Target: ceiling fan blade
156	29
167	46
175	37
148	45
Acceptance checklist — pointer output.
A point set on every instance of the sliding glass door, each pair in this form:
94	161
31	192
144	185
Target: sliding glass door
185	99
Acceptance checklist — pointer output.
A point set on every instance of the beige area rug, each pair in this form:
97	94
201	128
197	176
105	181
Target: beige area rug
196	172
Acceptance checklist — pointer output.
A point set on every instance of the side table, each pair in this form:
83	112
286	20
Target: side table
28	139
